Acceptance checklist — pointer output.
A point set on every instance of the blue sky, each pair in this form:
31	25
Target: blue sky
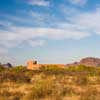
51	31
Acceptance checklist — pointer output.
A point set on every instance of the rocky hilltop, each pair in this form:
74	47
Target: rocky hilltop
88	61
8	65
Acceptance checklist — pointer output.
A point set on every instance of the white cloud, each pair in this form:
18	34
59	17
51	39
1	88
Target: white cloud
5	58
83	21
78	2
88	21
40	18
39	2
67	11
44	19
35	43
81	25
20	34
3	51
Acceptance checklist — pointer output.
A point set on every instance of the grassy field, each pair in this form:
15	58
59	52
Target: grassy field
50	83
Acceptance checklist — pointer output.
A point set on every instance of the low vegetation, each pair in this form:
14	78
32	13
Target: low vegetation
50	83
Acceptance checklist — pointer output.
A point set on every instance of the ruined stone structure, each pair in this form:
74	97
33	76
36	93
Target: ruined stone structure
88	61
33	65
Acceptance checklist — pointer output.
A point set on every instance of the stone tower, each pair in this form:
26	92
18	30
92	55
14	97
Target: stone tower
32	65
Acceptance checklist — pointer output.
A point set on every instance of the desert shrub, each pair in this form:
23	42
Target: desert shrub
98	71
90	71
81	80
19	69
31	73
15	77
80	68
90	94
72	70
68	91
43	89
97	80
1	68
15	98
52	69
85	68
7	95
48	88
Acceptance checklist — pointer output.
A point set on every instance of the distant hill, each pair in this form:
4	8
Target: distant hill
88	61
8	65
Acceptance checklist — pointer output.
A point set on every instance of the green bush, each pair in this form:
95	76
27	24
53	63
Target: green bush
1	68
19	69
91	71
53	69
14	77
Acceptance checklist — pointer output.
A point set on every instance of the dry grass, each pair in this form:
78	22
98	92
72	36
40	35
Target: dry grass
79	83
90	94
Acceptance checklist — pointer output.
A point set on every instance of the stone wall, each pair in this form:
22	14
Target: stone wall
32	65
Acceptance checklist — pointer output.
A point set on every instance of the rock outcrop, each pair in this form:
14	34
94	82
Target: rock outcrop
88	61
8	65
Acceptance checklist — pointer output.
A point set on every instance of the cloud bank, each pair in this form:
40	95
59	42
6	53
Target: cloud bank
80	26
39	2
78	2
62	24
